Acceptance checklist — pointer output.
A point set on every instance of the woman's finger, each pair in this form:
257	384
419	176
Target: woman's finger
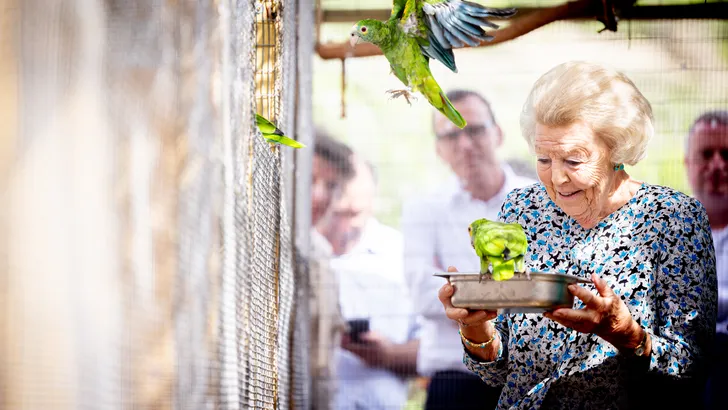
451	269
564	322
602	286
586	316
444	295
591	300
477	316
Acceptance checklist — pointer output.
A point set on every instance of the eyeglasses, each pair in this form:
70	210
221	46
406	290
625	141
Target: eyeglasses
708	154
471	130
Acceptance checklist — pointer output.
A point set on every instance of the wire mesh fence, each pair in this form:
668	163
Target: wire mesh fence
146	236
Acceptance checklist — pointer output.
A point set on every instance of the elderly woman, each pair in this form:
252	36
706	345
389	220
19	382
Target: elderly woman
645	323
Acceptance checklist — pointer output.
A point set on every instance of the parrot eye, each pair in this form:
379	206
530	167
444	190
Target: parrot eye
364	29
469	229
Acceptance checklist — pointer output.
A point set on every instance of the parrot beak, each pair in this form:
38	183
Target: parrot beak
354	40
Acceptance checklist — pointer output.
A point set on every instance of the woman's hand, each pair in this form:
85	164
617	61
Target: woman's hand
474	325
605	315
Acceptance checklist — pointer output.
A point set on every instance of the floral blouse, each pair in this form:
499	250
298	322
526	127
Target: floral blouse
656	252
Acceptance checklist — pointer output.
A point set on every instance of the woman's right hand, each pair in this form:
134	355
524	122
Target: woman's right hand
474	325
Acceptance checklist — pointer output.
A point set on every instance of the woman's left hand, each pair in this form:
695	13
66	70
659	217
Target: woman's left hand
605	315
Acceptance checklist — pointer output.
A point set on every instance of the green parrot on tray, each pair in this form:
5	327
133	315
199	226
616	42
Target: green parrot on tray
273	135
499	244
418	30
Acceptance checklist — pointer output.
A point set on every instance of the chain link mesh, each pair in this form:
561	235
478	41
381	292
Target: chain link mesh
166	277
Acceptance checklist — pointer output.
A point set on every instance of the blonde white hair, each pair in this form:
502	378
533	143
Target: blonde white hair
602	97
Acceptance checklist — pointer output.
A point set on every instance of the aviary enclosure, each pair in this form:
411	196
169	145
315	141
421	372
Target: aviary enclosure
154	249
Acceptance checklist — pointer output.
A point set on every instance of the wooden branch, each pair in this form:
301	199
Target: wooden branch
520	25
684	11
531	19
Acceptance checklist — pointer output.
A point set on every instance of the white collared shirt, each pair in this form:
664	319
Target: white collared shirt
436	236
720	243
371	285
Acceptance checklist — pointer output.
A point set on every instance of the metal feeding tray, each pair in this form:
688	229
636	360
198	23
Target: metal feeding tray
542	292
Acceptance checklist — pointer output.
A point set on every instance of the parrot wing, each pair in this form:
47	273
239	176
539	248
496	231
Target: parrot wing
454	24
273	135
414	22
266	127
508	240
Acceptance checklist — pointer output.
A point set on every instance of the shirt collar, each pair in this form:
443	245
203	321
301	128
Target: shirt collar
368	242
720	235
459	194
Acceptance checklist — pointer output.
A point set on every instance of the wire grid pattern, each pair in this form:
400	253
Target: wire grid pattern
175	224
286	83
195	297
233	215
264	225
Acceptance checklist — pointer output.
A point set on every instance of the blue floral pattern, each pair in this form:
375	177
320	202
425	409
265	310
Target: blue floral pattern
656	252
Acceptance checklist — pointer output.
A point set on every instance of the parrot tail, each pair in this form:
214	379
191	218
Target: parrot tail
450	112
282	139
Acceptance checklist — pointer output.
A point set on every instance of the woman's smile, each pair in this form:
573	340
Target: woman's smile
568	194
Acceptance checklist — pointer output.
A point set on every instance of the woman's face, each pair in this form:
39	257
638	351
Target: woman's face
574	165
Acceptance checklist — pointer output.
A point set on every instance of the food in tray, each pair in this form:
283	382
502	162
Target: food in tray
500	247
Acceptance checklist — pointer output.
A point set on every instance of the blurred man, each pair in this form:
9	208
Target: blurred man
706	160
435	228
331	169
372	365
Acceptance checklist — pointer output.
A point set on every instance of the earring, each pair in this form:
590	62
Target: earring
618	167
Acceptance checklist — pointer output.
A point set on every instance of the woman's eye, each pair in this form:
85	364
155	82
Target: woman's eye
572	162
544	160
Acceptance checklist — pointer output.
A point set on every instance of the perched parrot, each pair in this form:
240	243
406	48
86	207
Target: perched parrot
418	30
499	244
273	135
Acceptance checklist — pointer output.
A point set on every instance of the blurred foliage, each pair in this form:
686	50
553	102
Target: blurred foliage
680	66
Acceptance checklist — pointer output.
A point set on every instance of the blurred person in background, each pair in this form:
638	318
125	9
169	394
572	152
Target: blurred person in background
331	168
706	160
435	228
373	362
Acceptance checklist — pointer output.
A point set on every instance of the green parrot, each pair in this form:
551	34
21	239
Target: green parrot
273	135
418	30
501	245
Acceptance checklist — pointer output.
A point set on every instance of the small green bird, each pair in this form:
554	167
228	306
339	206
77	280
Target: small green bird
273	135
418	30
499	244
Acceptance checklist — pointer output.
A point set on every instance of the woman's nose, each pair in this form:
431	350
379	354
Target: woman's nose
558	175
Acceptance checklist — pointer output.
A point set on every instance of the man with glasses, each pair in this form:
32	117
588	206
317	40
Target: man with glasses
436	236
706	160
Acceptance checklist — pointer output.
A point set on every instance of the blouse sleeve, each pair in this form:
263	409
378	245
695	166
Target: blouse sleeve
686	290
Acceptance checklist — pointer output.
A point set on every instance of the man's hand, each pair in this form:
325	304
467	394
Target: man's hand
375	349
378	351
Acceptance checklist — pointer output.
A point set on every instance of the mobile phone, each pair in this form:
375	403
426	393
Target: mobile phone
356	328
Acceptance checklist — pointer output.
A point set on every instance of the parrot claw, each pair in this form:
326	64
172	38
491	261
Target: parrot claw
406	93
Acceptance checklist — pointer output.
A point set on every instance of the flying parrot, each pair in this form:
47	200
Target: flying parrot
418	30
273	135
499	244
